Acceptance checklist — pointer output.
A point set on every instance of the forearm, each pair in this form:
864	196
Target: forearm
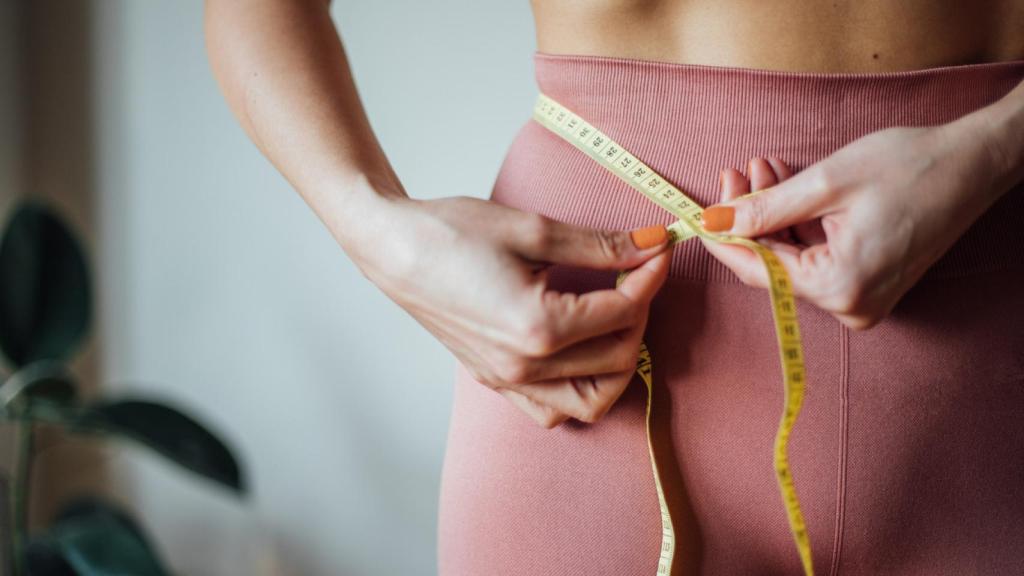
998	130
283	71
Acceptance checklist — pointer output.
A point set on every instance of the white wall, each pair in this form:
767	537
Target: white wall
220	290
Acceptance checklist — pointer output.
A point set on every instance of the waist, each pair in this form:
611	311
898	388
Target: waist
838	36
690	121
803	115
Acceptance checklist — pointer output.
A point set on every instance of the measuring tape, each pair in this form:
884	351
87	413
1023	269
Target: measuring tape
642	177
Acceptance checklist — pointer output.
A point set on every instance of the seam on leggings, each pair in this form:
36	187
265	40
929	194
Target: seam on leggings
844	434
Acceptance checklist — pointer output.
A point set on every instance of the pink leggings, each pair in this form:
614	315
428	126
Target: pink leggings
909	454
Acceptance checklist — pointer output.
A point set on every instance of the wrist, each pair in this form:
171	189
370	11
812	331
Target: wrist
361	210
996	135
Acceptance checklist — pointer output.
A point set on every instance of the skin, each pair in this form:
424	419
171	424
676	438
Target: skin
791	35
473	273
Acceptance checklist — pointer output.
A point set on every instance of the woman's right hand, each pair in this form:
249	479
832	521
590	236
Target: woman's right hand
474	273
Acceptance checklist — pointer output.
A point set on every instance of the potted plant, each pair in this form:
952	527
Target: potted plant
45	312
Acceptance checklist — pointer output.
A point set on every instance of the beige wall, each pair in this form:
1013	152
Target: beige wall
10	180
45	144
11	103
58	165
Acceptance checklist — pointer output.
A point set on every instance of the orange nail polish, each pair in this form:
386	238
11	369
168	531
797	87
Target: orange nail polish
649	236
718	218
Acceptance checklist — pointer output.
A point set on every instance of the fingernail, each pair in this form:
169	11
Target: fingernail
649	236
718	218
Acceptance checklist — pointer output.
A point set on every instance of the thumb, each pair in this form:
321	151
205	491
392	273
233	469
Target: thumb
797	200
562	243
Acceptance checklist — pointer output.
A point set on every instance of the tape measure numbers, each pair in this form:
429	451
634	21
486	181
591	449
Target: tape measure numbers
643	178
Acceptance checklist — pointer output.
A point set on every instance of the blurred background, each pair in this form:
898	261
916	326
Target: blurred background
216	288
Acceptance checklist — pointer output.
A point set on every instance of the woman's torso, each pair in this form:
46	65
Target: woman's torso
906	454
791	35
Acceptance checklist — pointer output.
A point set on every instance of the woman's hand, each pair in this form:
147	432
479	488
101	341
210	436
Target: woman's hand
474	273
858	229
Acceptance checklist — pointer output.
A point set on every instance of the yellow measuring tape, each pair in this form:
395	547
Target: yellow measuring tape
642	177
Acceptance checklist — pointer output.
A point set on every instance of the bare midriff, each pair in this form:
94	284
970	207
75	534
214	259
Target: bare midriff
790	35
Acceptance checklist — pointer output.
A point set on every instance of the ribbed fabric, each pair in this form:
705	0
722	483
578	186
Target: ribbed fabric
843	418
908	454
688	122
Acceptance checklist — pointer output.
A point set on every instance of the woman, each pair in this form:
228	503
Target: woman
888	140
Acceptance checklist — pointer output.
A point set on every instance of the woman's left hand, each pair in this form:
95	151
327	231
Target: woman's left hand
856	230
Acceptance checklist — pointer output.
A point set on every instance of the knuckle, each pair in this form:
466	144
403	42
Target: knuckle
549	421
866	316
611	245
850	300
635	310
625	359
514	370
486	375
869	322
537	231
743	274
537	337
860	323
478	375
592	409
631	312
756	213
999	154
590	413
823	179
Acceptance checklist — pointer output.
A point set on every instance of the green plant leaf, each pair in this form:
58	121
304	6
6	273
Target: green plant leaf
43	382
44	287
170	433
92	538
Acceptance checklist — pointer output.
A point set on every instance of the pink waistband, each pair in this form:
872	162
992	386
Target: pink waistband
688	121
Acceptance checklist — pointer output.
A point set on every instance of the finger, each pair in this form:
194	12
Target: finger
588	397
585	398
572	318
805	266
644	281
734	184
782	170
762	174
743	262
548	240
798	199
806	233
613	352
802	265
765	174
545	416
809	268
